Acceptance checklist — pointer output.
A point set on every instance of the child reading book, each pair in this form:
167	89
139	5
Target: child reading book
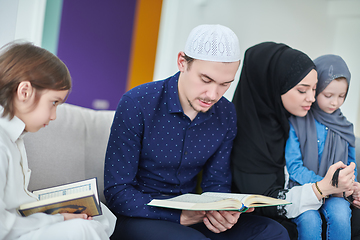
33	82
318	140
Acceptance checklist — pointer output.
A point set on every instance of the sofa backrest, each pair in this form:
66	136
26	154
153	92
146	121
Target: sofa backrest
71	148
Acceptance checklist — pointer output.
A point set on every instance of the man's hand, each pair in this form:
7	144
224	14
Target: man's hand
191	217
220	221
69	216
216	221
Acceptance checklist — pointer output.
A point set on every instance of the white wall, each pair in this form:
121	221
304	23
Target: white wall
8	15
21	20
314	27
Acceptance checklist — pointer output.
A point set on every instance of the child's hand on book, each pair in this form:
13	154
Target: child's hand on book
69	216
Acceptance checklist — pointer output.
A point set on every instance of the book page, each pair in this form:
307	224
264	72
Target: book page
217	201
195	198
237	196
67	189
250	200
198	203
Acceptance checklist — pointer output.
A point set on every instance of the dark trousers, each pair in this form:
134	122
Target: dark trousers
248	227
355	223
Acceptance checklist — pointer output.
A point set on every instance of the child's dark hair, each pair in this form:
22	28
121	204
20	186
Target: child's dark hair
26	62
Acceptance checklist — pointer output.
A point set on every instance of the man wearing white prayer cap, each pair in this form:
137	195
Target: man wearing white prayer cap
165	132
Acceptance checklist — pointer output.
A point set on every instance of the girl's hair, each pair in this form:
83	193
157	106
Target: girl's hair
26	62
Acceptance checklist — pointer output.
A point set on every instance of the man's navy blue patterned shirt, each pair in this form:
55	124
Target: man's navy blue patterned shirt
156	151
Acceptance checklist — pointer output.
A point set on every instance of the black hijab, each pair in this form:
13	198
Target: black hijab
269	70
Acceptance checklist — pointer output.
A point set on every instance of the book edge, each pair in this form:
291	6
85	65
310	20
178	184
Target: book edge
59	199
22	209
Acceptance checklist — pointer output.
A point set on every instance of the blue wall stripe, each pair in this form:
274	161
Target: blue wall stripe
51	29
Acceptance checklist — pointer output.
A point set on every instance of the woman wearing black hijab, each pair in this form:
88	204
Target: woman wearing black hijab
270	90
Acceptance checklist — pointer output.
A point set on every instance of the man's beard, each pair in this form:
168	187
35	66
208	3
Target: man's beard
201	110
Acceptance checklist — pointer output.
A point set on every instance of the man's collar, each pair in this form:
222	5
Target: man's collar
173	100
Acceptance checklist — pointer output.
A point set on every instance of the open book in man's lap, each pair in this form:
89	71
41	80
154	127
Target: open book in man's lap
217	201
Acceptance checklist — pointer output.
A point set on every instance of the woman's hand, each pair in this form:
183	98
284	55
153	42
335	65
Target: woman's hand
345	180
69	216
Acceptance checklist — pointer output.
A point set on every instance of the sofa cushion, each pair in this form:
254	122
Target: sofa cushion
71	148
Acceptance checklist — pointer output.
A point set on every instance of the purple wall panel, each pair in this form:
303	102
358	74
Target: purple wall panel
95	43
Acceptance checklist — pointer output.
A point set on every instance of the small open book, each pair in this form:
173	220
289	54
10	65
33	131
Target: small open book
217	201
76	197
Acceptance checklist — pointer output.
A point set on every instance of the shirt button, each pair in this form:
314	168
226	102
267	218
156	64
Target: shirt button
318	141
326	128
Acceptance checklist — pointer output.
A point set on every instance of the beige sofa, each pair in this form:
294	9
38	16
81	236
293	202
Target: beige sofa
71	148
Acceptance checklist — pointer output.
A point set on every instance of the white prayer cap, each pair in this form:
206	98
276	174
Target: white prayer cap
215	43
